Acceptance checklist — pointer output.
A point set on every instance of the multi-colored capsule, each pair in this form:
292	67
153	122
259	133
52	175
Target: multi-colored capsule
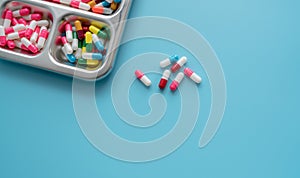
35	17
29	45
176	82
164	79
192	75
75	41
71	58
2	37
179	64
80	5
79	30
30	29
7	19
15	28
89	41
143	78
35	35
93	56
67	46
21	12
42	37
102	10
69	33
98	32
168	61
97	42
16	35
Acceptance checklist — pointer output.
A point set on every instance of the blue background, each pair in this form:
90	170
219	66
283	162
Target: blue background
257	43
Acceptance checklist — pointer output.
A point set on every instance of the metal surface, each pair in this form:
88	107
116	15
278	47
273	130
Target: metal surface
46	59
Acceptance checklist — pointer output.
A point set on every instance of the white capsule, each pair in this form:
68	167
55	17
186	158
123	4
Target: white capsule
168	61
43	23
75	44
84	6
78	53
66	2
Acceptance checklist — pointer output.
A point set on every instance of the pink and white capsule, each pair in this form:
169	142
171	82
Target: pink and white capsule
192	75
11	44
2	37
7	19
80	5
16	35
20	45
176	82
67	46
35	35
29	45
69	34
22	21
30	17
21	12
14	21
143	78
42	38
15	28
30	29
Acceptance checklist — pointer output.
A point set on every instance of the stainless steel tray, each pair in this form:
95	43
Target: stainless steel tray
45	59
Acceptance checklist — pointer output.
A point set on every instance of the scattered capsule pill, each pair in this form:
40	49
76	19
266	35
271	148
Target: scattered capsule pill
98	32
143	78
35	17
103	4
169	61
67	46
11	44
69	33
75	41
42	37
44	23
16	35
79	50
164	79
179	64
15	28
35	35
94	56
21	12
97	42
80	5
29	45
79	30
7	19
2	37
30	29
102	10
22	21
89	41
71	58
92	3
20	45
14	21
176	82
192	75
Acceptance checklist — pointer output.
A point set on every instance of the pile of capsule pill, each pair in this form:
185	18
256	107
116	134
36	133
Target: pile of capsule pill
82	42
178	63
23	29
106	7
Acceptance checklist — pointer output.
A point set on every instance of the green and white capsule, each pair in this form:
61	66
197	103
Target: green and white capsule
75	41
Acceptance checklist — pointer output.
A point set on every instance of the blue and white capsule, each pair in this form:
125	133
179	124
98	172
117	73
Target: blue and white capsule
169	61
97	42
93	56
71	58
